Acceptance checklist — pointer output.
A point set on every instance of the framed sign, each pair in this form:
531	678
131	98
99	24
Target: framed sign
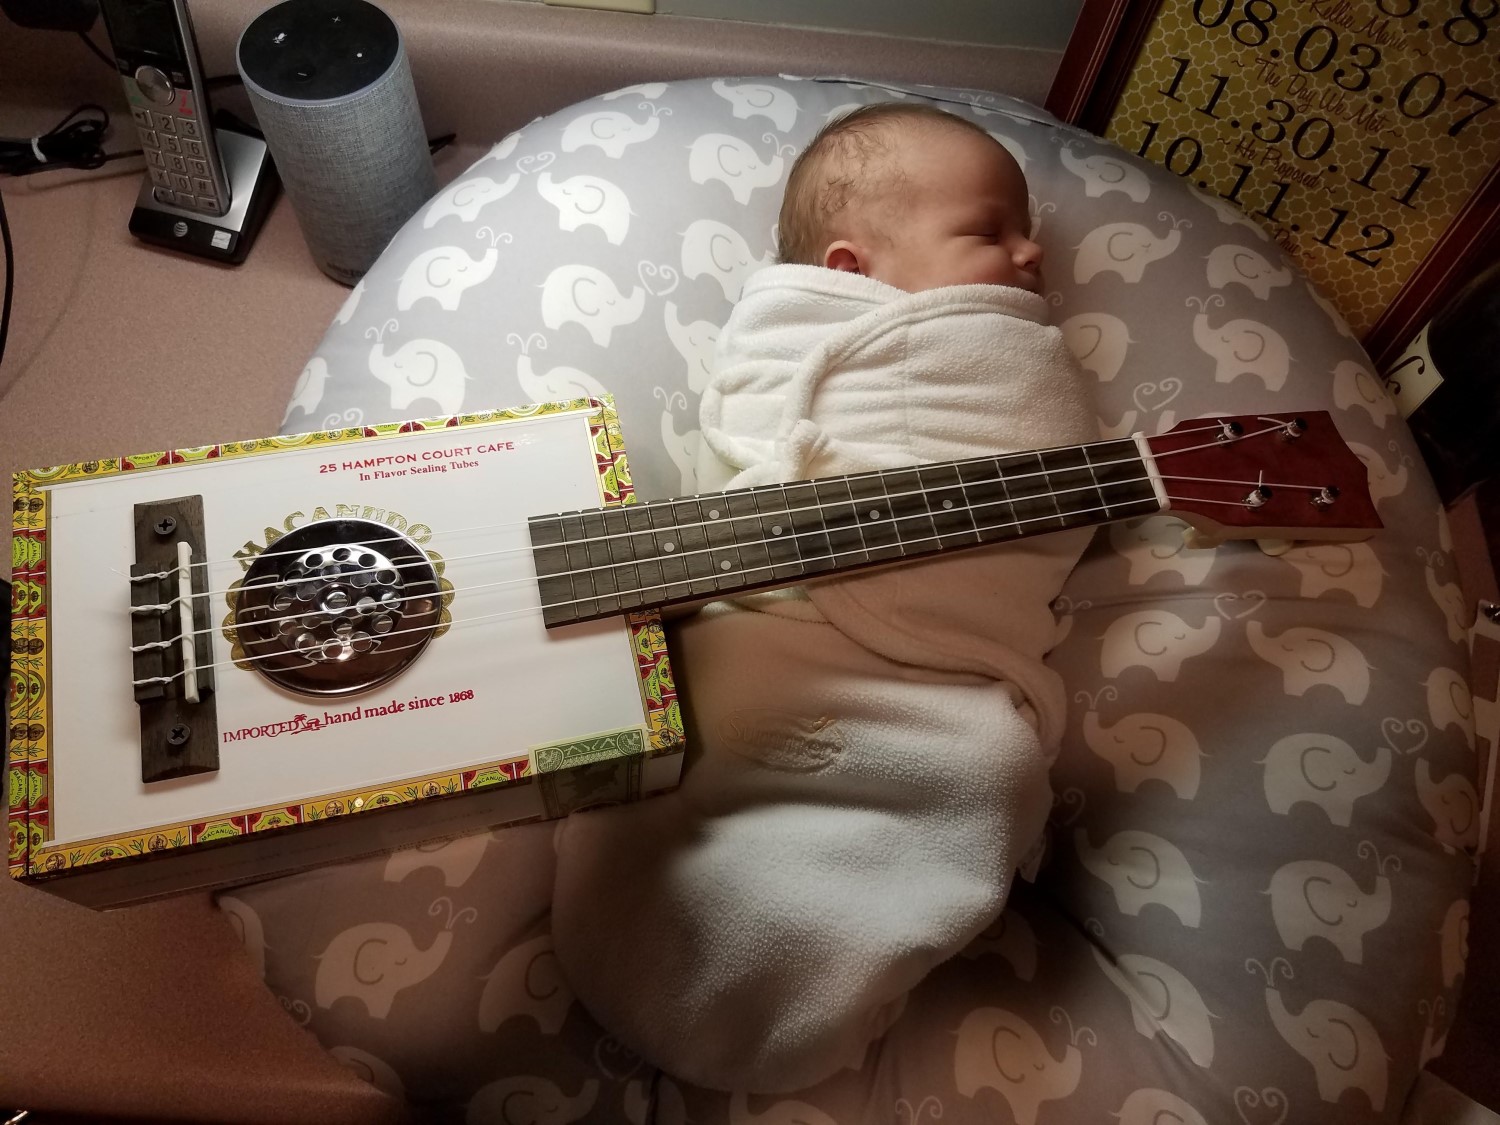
1364	135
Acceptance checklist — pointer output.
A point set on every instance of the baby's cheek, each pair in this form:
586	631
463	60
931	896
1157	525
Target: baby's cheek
997	269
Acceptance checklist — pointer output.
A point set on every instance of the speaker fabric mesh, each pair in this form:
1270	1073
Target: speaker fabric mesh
355	167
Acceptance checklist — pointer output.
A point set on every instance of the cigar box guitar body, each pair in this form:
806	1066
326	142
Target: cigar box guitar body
245	660
222	653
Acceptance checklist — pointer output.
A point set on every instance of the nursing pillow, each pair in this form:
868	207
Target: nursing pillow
1253	905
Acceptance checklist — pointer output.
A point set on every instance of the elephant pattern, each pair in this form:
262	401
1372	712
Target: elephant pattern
1141	869
374	961
1340	1042
1311	898
1268	754
998	1050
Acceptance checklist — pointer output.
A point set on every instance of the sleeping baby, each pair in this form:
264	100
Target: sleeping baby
868	754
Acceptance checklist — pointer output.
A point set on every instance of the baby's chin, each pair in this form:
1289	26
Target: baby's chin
1021	279
1032	283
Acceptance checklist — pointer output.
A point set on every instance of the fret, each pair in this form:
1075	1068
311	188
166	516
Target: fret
622	556
577	552
554	582
778	530
842	520
647	570
989	495
601	571
916	533
1075	493
1034	508
1123	483
691	541
814	552
674	571
872	508
723	556
750	536
949	505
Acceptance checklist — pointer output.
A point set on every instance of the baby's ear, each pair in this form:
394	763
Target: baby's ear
844	257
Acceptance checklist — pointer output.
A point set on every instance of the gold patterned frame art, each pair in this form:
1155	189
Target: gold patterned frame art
567	772
1363	135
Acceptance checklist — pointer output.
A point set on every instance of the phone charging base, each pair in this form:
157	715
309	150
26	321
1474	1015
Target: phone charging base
223	238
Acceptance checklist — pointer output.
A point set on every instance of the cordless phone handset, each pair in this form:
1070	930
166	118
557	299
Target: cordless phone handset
157	57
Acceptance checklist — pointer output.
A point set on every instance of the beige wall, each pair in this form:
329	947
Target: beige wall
1010	23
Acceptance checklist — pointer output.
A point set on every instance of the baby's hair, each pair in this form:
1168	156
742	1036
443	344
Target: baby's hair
842	164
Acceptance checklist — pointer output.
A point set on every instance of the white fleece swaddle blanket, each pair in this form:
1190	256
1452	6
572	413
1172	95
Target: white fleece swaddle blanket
867	757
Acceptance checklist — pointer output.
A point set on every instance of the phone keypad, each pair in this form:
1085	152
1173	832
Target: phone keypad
177	179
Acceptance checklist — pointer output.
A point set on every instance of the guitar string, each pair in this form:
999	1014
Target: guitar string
596	540
700	498
531	580
819	506
706	550
1221	426
531	611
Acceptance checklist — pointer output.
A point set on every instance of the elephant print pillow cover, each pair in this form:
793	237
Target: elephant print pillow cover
1253	906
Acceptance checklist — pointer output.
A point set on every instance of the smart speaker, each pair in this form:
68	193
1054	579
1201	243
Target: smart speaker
332	89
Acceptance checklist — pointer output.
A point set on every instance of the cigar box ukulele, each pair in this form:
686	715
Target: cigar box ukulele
225	658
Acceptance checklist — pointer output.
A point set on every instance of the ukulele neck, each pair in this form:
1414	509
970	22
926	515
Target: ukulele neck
607	561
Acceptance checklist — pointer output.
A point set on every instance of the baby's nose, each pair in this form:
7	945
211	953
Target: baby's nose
1029	255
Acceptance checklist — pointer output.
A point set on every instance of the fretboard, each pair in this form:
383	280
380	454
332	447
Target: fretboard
606	561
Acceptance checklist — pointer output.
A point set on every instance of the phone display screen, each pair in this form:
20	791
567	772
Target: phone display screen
144	31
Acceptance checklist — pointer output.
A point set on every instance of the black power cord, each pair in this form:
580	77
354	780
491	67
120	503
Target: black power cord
92	46
10	277
77	141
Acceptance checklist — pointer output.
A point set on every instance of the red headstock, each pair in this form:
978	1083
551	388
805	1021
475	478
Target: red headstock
1265	476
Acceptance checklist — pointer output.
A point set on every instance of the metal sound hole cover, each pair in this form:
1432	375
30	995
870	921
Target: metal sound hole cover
336	607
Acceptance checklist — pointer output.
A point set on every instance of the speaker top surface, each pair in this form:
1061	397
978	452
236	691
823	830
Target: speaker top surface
318	50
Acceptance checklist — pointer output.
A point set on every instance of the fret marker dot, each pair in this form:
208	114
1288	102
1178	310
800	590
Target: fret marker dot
947	503
713	513
668	546
775	529
874	513
724	565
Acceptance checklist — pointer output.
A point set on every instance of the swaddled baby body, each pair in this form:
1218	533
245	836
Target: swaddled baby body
868	755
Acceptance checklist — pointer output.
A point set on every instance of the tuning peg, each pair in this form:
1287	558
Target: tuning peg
1229	431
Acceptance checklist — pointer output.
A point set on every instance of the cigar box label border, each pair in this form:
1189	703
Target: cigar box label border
610	770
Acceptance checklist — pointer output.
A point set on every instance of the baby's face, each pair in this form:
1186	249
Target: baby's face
965	219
